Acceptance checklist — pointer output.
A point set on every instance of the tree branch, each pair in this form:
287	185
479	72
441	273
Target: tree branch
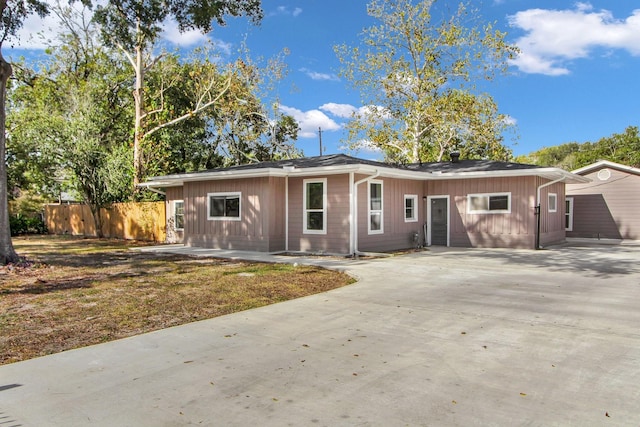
199	108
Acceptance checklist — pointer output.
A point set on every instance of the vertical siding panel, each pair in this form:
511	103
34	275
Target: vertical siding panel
607	208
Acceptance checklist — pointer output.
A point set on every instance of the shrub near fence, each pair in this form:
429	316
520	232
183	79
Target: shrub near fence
135	221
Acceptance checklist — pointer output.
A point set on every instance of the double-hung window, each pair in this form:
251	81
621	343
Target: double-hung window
376	219
178	214
410	208
224	206
315	206
489	203
568	214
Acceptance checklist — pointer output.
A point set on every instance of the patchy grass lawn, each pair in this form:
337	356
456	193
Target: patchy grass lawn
77	292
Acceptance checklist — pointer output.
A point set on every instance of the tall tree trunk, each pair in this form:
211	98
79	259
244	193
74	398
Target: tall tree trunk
97	219
138	97
7	253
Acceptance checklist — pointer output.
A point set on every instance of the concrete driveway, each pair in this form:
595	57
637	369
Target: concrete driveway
442	337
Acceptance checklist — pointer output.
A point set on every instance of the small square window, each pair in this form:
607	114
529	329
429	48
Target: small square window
410	208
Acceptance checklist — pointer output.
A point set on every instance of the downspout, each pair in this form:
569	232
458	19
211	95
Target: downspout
351	216
538	211
354	212
286	213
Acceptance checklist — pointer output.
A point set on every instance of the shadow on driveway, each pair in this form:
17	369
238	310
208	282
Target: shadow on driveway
602	261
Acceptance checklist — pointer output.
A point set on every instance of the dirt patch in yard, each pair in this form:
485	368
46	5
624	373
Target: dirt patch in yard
74	292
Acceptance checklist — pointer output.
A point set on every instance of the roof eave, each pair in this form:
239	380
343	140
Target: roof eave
180	179
607	163
548	173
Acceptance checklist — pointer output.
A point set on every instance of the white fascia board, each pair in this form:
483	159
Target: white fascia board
607	163
180	179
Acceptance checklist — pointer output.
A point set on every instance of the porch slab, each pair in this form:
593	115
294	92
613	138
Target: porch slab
440	337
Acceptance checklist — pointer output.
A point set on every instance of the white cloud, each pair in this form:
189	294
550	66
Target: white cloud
310	121
339	110
284	10
172	34
363	145
320	76
37	33
555	37
510	120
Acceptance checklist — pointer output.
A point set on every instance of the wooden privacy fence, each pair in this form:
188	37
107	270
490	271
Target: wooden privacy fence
135	221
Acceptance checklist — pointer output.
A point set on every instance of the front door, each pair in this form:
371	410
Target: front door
438	220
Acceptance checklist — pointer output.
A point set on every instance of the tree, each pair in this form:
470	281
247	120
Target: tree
417	78
12	16
133	26
71	117
622	148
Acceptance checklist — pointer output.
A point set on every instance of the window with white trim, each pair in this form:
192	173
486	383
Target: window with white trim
224	206
376	219
410	208
568	214
315	206
552	202
178	214
489	203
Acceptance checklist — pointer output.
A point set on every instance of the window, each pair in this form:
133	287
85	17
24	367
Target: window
568	214
178	214
315	203
224	206
410	208
489	203
375	207
553	202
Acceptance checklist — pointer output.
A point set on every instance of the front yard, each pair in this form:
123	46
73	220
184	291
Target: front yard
75	292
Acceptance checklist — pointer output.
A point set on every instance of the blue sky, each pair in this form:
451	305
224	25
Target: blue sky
576	79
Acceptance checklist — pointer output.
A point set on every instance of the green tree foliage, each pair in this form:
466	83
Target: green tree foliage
417	75
621	148
12	16
235	129
133	26
70	120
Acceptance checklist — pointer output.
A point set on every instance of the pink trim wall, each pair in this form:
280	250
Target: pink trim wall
397	234
262	226
336	239
262	223
500	230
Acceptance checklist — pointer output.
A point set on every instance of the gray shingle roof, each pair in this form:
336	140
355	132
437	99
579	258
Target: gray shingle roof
344	160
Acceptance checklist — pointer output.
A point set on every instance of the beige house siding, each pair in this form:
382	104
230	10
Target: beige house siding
606	208
259	228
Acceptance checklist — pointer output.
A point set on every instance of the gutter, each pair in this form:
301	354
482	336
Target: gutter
154	190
